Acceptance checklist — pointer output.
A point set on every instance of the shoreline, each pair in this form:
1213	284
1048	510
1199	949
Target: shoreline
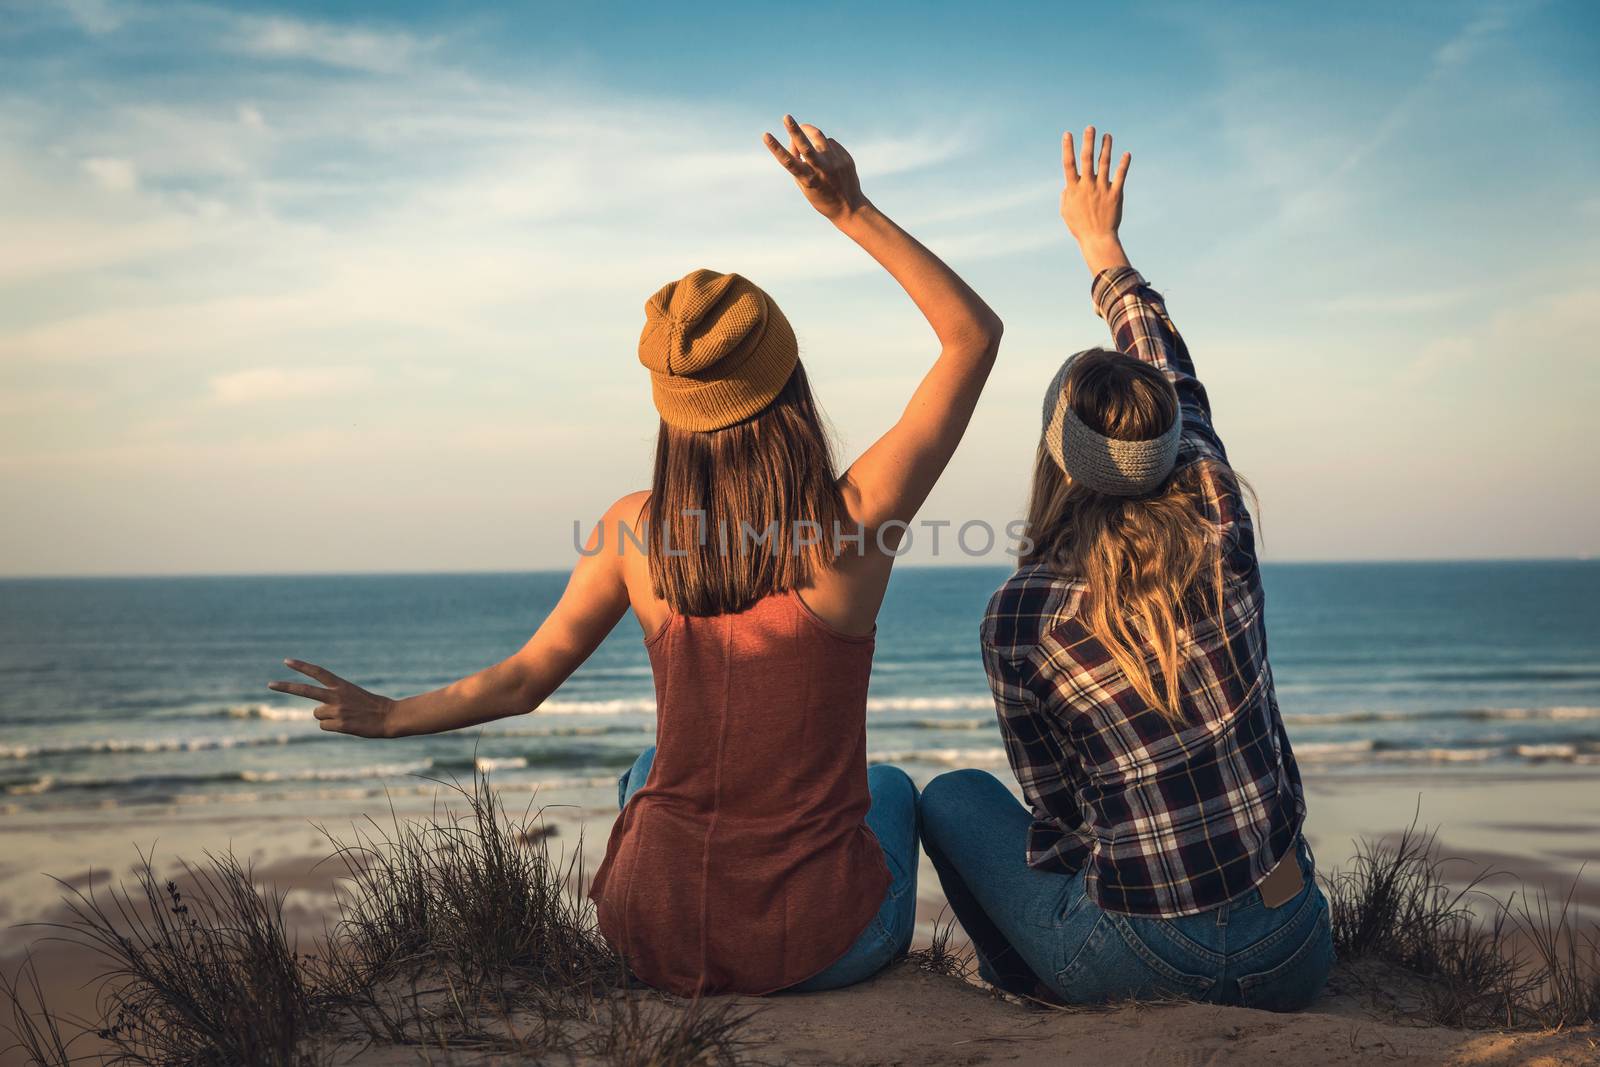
1470	809
268	754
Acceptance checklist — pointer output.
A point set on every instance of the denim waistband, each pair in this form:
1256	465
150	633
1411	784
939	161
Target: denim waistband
1251	898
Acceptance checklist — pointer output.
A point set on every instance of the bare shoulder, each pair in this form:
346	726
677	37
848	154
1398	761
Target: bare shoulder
612	530
629	508
624	526
621	529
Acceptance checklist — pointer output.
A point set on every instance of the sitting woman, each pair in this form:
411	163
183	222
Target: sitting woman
1128	658
755	852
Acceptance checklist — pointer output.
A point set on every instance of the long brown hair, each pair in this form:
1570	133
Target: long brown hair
1153	564
740	513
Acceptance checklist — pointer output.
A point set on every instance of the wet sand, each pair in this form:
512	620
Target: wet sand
1538	827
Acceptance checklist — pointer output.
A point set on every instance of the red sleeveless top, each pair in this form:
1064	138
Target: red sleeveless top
744	864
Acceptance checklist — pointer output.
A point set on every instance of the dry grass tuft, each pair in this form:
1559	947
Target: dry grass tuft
1511	962
939	957
456	933
202	974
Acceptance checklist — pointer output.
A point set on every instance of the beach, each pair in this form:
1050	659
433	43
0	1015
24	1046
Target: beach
1533	829
1538	828
136	721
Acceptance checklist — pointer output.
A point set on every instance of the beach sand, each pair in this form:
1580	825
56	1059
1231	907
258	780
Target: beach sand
904	1016
1536	826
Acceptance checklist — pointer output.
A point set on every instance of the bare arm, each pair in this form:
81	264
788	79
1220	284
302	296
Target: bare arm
594	601
894	476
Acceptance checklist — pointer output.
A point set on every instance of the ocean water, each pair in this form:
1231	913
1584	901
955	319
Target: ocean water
122	692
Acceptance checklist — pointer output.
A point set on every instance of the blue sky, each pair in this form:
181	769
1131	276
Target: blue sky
329	287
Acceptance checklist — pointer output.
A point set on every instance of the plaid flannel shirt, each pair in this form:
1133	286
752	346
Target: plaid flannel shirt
1170	820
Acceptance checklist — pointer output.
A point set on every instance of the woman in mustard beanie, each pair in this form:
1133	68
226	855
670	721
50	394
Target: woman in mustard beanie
755	851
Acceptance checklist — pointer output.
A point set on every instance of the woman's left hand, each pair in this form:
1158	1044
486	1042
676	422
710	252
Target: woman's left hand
342	707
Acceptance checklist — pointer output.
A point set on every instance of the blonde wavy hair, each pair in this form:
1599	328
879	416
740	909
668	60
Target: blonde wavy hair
1154	564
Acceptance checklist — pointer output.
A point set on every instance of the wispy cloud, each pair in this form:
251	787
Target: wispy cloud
261	384
1522	351
277	37
1311	173
1475	36
115	175
203	272
401	202
426	229
94	16
1404	301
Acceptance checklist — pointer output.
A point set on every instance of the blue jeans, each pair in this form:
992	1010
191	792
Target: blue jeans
893	820
1037	933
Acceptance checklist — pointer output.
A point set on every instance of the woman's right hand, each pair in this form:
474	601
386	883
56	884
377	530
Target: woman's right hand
821	168
1091	200
342	707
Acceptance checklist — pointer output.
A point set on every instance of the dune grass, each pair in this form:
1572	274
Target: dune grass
473	894
943	954
201	974
1515	960
461	932
464	933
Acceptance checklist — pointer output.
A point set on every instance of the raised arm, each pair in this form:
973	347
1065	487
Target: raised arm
594	601
1091	206
894	476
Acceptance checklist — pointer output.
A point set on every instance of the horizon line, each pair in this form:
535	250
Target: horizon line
916	565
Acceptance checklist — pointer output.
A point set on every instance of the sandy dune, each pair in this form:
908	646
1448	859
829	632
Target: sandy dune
908	1017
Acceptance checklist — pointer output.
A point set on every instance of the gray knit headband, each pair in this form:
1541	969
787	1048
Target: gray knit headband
1104	464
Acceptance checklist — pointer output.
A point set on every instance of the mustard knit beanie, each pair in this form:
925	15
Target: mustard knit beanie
718	350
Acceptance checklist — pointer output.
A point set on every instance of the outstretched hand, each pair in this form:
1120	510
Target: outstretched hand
821	167
1091	199
342	707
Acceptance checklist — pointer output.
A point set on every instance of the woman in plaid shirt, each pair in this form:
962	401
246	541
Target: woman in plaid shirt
1162	856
